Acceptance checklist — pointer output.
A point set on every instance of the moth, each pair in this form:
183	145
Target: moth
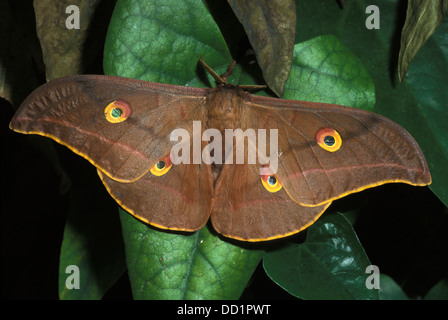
124	127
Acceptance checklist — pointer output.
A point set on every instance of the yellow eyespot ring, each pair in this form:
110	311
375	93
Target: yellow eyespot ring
271	183
162	166
329	139
117	111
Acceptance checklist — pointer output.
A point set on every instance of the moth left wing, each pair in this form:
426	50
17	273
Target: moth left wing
79	112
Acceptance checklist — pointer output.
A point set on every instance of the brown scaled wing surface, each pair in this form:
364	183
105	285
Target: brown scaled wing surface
374	151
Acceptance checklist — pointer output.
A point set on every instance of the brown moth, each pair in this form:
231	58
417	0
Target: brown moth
125	128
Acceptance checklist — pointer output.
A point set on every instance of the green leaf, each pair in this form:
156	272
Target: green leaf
427	82
330	264
270	26
163	43
324	70
390	290
439	291
199	265
91	242
422	19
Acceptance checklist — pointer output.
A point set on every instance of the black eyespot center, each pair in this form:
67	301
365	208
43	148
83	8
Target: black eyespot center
160	165
271	180
329	141
116	112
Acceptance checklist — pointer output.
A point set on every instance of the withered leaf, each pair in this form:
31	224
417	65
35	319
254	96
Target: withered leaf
422	19
270	27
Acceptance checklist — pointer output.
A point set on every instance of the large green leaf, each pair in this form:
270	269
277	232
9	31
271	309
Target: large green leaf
324	70
163	43
330	264
164	265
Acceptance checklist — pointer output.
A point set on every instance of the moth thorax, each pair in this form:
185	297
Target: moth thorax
225	105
